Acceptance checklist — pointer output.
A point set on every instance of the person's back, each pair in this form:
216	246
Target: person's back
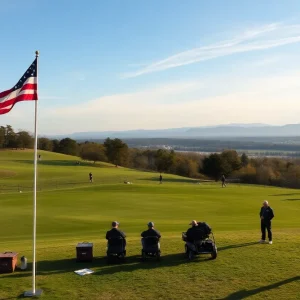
196	232
192	234
116	242
151	232
115	232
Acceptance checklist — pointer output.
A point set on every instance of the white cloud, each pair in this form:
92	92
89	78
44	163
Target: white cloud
273	100
209	101
128	102
265	37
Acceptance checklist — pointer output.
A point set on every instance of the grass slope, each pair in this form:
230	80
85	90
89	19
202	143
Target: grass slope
82	212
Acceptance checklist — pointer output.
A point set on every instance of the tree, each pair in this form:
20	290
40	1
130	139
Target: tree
230	161
116	151
68	146
2	136
10	137
93	151
45	144
138	159
244	160
212	166
24	140
55	144
164	160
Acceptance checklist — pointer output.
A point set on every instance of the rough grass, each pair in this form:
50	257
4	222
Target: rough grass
83	212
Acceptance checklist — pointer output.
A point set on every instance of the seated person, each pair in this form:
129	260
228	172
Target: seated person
115	232
151	232
192	235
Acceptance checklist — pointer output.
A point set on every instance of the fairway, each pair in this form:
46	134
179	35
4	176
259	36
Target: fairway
72	210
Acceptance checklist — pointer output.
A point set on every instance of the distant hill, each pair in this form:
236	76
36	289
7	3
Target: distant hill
221	131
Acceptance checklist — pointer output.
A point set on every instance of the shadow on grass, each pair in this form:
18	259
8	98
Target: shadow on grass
18	297
135	263
248	293
49	267
181	180
291	194
64	163
297	199
237	246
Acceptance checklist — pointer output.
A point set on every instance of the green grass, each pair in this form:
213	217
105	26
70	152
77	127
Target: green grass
71	210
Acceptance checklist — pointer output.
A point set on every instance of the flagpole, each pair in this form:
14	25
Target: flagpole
34	292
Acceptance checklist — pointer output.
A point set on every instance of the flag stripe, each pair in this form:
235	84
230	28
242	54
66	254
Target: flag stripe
30	83
5	93
29	86
9	106
23	96
16	93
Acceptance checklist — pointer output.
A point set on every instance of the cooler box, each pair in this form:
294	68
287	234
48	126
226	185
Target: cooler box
8	262
84	251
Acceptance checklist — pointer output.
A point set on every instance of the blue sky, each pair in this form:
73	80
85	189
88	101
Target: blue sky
118	65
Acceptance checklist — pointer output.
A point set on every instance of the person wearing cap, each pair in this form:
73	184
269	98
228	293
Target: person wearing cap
192	235
266	215
115	232
151	232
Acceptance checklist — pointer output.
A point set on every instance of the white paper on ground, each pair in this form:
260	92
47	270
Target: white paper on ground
84	272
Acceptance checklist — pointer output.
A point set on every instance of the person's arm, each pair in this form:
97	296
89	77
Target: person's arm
143	234
261	212
271	214
158	234
107	235
188	234
123	234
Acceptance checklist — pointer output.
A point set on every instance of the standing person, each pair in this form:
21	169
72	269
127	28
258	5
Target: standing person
266	215
223	181
160	179
91	177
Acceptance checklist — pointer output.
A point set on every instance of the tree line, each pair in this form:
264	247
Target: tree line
267	171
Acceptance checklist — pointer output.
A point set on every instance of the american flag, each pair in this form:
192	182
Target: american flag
24	90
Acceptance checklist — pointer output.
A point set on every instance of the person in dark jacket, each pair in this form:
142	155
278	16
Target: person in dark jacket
115	232
151	232
223	180
266	215
193	232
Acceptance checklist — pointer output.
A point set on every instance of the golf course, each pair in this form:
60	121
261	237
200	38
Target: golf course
71	210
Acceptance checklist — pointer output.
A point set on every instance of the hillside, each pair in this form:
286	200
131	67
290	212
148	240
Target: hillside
219	131
81	211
